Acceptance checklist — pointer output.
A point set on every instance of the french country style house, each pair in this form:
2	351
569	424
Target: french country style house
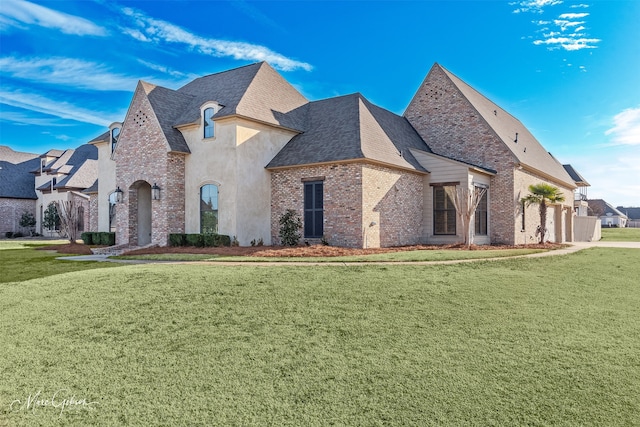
232	151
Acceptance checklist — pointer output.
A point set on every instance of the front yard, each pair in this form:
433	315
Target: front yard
550	341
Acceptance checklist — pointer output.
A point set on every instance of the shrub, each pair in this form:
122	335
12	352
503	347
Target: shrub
196	240
87	238
177	239
17	234
105	238
290	225
8	234
28	221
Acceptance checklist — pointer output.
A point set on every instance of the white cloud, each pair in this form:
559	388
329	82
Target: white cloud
158	31
564	24
579	6
573	15
68	72
568	43
535	6
15	12
166	70
21	119
43	105
626	129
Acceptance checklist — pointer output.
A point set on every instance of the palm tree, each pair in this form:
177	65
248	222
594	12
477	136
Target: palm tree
542	194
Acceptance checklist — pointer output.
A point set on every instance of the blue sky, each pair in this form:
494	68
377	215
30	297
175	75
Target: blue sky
570	71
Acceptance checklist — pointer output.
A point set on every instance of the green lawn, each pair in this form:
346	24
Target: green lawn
621	234
406	256
550	341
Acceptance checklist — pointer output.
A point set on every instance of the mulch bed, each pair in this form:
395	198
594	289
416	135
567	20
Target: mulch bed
297	251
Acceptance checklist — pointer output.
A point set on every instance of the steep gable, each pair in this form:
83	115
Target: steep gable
481	116
16	177
255	91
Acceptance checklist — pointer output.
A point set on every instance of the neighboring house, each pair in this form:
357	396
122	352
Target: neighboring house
633	215
17	193
62	175
609	216
231	152
580	198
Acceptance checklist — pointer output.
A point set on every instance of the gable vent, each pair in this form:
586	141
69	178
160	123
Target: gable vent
140	118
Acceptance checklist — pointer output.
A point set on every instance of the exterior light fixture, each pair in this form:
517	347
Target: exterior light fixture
155	192
119	193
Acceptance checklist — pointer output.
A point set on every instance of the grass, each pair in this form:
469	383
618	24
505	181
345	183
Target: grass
621	234
425	255
550	341
20	262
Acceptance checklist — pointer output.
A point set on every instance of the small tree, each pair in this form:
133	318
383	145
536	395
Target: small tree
290	225
28	221
466	202
51	218
68	214
542	194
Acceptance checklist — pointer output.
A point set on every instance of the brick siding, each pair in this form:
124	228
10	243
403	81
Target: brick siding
11	211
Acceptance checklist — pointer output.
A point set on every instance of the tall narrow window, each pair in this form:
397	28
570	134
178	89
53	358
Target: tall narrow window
524	208
113	202
209	208
115	133
481	215
313	209
444	213
208	122
80	218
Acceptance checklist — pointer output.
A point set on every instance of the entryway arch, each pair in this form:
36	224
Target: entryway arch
140	213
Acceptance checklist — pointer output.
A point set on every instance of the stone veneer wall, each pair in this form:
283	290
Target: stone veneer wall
355	196
93	212
11	211
452	127
342	200
142	156
393	199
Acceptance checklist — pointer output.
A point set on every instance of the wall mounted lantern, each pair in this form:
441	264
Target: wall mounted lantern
155	192
119	193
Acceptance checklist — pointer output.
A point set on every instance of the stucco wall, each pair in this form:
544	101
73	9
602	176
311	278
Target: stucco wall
559	217
234	160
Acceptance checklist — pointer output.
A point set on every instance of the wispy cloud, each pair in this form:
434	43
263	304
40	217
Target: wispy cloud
67	72
535	6
168	71
16	13
579	6
44	105
568	43
573	15
21	119
84	75
626	129
158	31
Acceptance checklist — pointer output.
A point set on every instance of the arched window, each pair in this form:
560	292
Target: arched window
115	133
209	208
208	122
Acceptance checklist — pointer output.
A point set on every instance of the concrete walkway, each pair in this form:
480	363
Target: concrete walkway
574	247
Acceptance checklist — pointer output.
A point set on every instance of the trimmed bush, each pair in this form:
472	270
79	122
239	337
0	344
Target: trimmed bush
177	239
8	234
106	238
87	238
196	240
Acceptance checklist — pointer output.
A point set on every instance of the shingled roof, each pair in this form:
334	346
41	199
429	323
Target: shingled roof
524	146
350	128
16	179
256	91
577	178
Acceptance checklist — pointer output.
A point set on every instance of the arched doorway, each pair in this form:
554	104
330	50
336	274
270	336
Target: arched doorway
140	213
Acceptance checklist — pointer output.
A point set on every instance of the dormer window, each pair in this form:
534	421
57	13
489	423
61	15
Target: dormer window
115	133
208	122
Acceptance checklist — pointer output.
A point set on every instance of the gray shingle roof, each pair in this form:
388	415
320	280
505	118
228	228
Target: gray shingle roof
599	205
104	137
350	128
256	91
93	189
527	150
81	167
577	178
167	105
16	179
632	213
